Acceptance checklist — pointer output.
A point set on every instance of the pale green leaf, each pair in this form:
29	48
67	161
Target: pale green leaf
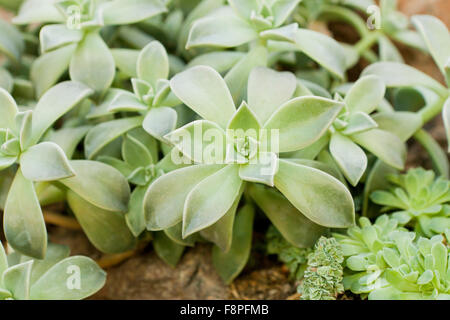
350	158
92	63
153	63
230	263
23	221
167	249
211	199
365	95
106	230
99	184
319	196
268	90
385	145
101	135
160	213
302	121
118	12
45	161
223	29
56	102
160	121
203	90
16	280
60	281
293	225
55	36
8	110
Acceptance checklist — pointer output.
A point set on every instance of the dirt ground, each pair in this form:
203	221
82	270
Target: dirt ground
145	276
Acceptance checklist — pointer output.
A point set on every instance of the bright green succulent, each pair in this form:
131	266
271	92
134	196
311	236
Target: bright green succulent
385	261
56	277
363	248
418	199
323	276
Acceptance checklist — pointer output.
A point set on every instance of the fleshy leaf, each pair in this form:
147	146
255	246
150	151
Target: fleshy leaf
230	263
55	36
365	95
93	63
436	36
45	162
302	121
198	141
119	12
402	124
8	110
104	133
16	279
223	29
446	118
203	90
59	282
167	249
385	145
56	102
23	221
106	230
99	184
211	199
160	121
160	213
153	63
319	196
268	90
350	158
293	225
262	171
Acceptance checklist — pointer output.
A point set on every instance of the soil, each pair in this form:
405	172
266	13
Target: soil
145	276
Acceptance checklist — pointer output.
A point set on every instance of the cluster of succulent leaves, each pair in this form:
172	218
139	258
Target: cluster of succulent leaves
98	96
324	274
388	262
419	200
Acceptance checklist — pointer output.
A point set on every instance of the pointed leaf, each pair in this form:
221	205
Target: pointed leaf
365	95
160	213
230	263
350	158
56	102
385	145
153	63
167	249
55	36
17	280
268	90
99	184
211	199
160	121
319	196
302	121
131	11
104	133
8	110
203	90
223	29
93	63
293	225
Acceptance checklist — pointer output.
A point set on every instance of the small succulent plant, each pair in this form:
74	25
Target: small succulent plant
418	199
324	272
56	277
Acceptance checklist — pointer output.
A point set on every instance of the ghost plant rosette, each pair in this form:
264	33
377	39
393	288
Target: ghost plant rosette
233	148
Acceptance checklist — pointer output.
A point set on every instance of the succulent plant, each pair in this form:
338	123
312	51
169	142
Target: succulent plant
324	273
418	199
